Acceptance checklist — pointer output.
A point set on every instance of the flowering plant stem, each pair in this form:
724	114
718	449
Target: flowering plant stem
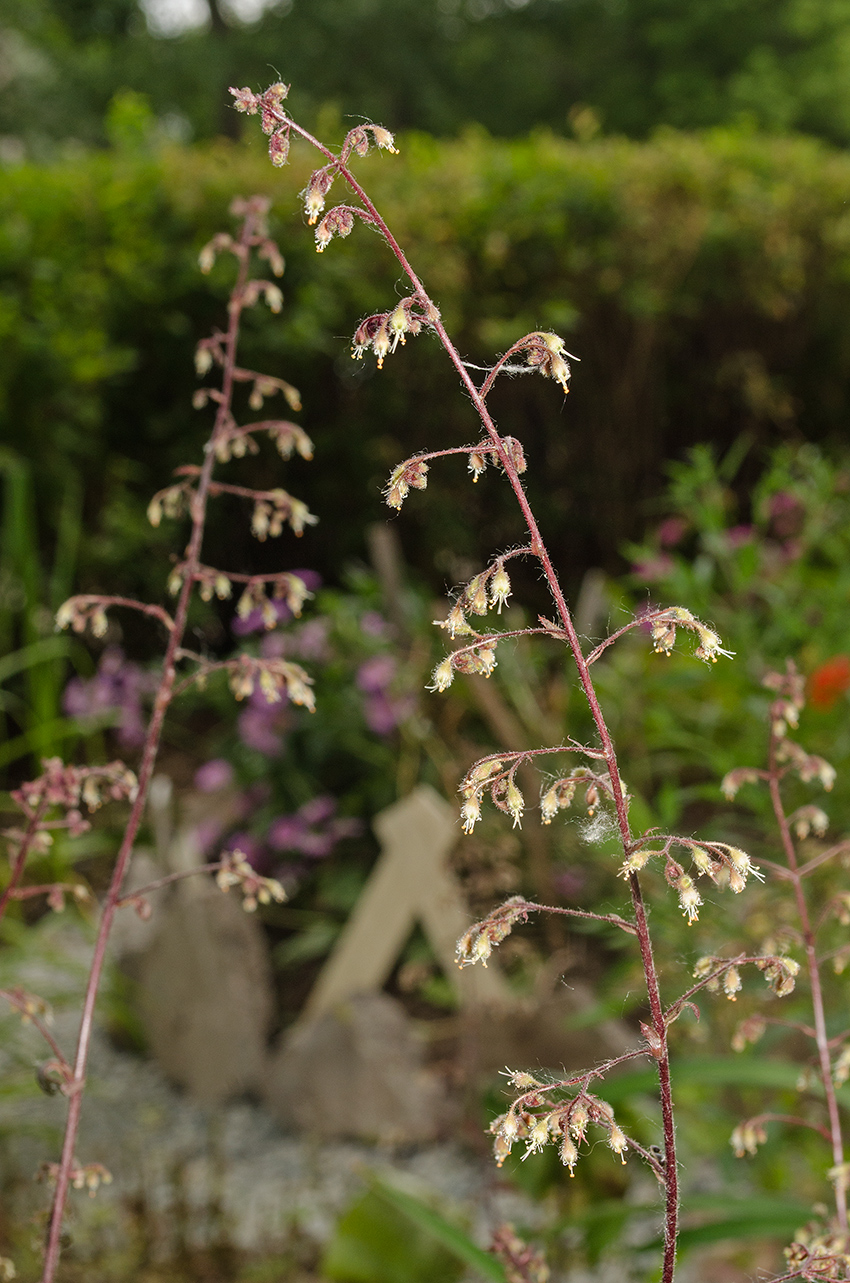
220	349
538	549
775	773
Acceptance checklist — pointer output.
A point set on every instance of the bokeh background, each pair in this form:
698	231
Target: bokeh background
664	185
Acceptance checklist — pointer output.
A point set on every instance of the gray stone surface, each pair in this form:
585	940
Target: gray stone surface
188	1178
206	995
357	1072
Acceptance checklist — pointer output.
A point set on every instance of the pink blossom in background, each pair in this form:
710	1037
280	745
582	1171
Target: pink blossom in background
671	531
373	624
257	731
655	568
570	883
313	830
318	809
261	723
382	710
118	687
250	847
786	514
737	536
213	776
376	673
308	640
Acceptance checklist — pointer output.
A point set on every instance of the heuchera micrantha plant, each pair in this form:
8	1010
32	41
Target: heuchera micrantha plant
561	1111
58	798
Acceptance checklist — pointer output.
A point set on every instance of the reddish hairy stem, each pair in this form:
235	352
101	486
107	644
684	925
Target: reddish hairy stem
37	1023
167	880
818	860
648	618
21	857
145	608
162	700
613	918
539	549
812	965
792	1119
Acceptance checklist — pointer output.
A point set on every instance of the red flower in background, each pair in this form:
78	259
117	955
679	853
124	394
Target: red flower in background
828	682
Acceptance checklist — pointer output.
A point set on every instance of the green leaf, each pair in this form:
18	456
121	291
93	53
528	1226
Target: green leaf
449	1235
708	1071
376	1243
35	653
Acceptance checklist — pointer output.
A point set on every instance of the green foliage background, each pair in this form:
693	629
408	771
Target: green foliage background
438	64
704	281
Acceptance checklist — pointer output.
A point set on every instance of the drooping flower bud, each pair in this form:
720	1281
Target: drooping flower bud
443	675
500	588
515	803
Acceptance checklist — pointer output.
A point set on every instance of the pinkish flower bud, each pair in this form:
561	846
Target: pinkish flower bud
279	147
381	344
515	453
315	193
245	100
475	595
477	464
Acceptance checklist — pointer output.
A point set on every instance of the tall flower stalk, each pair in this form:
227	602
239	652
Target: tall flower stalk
539	1114
55	799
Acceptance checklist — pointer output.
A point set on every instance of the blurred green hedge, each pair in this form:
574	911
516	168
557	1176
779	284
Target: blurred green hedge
704	282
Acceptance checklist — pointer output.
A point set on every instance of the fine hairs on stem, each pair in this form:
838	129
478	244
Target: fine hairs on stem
56	800
559	1111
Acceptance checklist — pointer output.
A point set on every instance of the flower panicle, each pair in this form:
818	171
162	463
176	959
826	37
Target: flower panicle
547	353
564	1124
478	942
663	631
235	871
384	331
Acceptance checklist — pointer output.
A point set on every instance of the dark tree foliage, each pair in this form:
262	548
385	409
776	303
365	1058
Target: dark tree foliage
438	64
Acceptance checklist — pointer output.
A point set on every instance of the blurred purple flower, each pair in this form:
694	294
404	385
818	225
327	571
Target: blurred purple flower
375	674
310	641
256	731
786	514
313	830
250	847
285	833
213	776
117	687
316	845
373	624
318	809
261	723
383	712
570	883
737	536
671	531
654	568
